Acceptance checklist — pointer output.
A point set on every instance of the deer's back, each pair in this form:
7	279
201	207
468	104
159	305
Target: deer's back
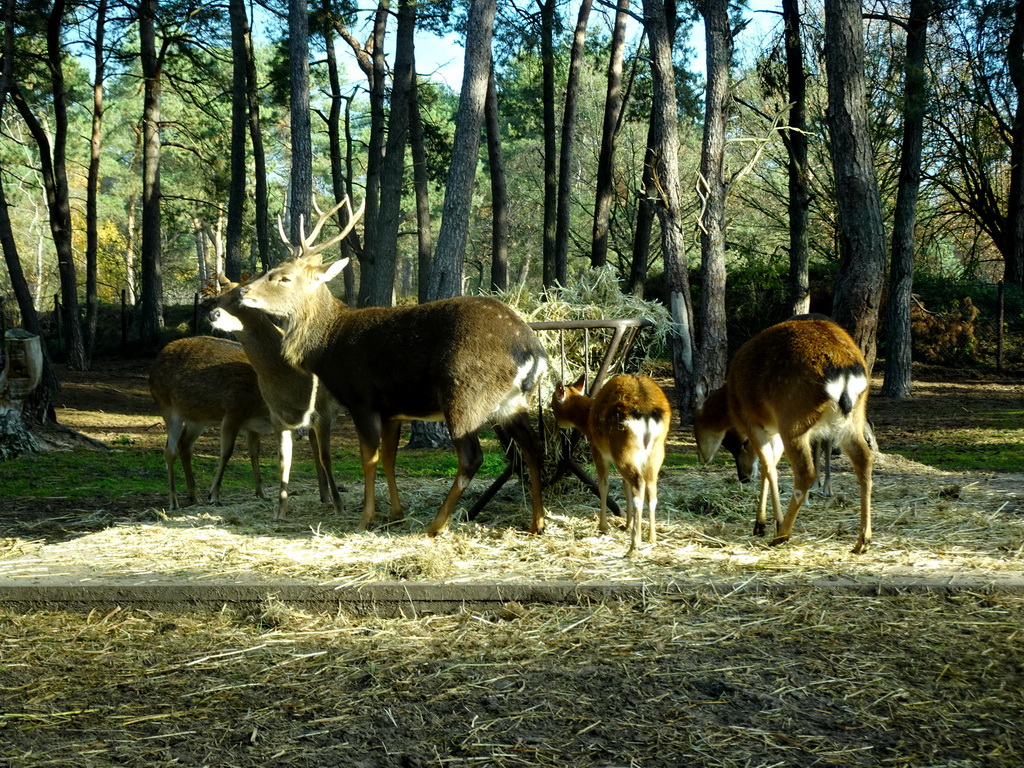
780	375
422	359
628	413
203	378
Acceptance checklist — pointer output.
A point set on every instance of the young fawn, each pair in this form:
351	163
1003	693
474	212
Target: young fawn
790	384
467	361
627	424
198	383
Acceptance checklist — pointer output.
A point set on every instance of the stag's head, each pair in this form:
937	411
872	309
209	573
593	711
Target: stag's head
287	288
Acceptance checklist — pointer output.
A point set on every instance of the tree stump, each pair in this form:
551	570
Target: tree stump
21	375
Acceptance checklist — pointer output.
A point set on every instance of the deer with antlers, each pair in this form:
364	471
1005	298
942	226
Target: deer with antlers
467	361
295	398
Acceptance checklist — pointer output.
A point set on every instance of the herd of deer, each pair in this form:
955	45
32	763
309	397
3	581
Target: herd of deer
304	357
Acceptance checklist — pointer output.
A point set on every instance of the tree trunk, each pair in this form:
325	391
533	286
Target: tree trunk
796	145
547	47
262	203
609	131
421	185
375	70
644	219
92	186
565	157
712	334
499	191
446	273
1014	258
901	270
151	289
659	22
301	176
861	240
239	126
380	290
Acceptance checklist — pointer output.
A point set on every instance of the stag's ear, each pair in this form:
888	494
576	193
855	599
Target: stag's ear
330	271
700	394
581	382
560	391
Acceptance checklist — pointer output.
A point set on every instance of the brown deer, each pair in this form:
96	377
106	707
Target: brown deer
467	361
627	424
295	399
789	384
198	383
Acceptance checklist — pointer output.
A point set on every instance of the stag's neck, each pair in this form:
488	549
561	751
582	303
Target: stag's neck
310	328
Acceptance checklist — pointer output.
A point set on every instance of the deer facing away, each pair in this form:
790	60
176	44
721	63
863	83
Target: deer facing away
627	424
789	384
198	383
295	399
467	361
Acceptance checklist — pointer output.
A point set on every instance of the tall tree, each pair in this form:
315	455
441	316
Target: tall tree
421	187
901	268
1014	254
861	238
499	191
660	23
301	176
446	272
547	55
151	290
712	337
565	157
239	127
795	139
609	131
378	288
92	186
53	166
259	157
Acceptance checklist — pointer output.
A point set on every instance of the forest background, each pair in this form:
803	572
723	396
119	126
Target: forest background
146	147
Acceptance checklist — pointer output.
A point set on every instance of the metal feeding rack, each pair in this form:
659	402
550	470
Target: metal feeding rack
615	358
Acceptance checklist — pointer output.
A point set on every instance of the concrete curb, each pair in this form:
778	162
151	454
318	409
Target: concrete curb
416	598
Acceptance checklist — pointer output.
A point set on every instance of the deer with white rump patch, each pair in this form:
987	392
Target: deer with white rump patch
202	382
295	398
466	361
627	424
789	384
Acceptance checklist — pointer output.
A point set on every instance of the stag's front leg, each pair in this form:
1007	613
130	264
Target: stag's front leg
368	430
470	456
390	434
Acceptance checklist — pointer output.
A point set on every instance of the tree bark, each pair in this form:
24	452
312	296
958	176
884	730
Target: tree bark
796	144
609	131
712	335
151	289
301	176
239	126
901	269
92	186
259	157
565	157
659	21
379	286
499	191
446	272
861	238
421	185
641	256
547	47
1014	258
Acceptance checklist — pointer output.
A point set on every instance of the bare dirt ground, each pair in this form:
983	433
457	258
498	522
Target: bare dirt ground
755	663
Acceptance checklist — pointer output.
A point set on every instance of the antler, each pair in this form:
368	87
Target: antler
306	249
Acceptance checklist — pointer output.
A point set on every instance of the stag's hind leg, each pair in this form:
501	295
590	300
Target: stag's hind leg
471	456
521	431
859	451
